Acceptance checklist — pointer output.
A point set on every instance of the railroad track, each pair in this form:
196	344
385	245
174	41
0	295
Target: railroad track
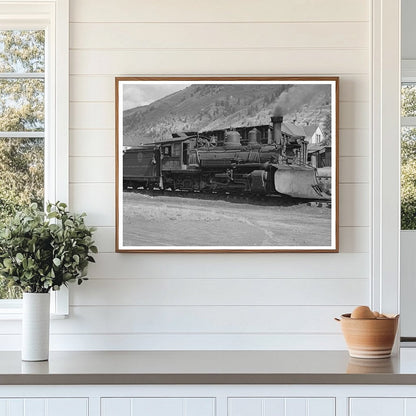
273	200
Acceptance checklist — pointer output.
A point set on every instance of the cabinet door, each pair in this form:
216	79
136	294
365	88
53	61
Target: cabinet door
44	407
270	406
382	407
160	406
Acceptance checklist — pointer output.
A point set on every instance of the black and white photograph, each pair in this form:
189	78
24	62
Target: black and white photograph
227	164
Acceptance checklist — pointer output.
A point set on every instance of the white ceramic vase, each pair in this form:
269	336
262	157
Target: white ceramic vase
35	326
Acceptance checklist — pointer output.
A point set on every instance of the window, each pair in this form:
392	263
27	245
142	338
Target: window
22	124
408	155
33	111
177	149
167	150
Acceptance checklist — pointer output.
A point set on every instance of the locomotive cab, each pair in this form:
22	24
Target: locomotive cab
175	155
179	164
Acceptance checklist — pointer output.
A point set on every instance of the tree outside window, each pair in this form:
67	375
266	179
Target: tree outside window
22	124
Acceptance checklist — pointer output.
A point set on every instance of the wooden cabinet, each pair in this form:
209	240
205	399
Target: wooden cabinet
382	406
146	406
44	407
208	400
281	407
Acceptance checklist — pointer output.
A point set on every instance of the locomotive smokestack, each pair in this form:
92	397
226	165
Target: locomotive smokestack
277	129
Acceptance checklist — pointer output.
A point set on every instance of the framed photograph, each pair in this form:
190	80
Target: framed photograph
227	164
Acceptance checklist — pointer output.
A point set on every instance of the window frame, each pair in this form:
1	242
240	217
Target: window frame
53	17
408	75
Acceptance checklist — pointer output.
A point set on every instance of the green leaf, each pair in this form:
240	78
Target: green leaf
56	262
7	262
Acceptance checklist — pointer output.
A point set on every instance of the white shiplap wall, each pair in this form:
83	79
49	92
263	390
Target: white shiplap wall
218	301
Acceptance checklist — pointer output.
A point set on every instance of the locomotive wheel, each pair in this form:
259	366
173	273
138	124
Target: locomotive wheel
128	185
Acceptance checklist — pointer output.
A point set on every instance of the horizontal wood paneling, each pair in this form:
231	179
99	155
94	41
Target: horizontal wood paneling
92	88
354	205
354	115
95	199
93	143
146	342
199	266
92	115
92	169
352	239
218	35
219	62
194	320
218	11
220	291
105	239
100	88
300	37
354	170
201	319
354	142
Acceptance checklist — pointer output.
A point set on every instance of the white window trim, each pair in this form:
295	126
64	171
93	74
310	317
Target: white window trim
408	74
52	15
385	96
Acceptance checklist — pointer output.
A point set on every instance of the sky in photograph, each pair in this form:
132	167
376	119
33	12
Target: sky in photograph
135	95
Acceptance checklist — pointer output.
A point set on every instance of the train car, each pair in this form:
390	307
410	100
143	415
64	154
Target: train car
202	162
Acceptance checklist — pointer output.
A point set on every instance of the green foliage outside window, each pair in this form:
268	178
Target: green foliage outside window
408	179
21	110
408	160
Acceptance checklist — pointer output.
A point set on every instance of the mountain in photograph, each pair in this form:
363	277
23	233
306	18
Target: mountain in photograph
205	107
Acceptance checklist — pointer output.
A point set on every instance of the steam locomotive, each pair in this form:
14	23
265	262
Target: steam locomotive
219	162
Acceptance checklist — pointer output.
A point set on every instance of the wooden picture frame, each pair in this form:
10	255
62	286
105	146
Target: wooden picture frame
227	164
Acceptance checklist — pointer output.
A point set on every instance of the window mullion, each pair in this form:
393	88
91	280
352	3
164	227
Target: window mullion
22	134
408	121
22	75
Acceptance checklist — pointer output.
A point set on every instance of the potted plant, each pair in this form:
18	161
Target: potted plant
40	252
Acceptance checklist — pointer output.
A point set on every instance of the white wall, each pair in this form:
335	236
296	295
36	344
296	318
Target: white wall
214	301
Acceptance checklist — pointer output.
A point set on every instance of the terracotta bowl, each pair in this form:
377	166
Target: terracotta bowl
369	338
